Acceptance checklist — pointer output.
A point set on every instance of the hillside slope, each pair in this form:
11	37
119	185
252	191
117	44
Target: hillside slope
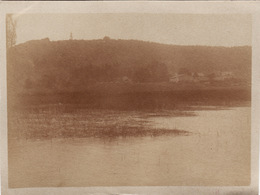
59	65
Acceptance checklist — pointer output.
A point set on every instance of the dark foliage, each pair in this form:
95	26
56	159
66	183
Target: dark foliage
74	65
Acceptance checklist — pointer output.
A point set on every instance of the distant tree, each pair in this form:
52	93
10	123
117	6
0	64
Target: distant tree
71	37
162	73
141	74
10	31
184	71
195	74
28	83
153	72
47	81
158	72
106	38
211	76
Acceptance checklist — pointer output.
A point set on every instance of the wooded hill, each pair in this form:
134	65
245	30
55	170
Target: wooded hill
59	65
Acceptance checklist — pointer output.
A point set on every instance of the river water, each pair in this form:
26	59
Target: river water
216	152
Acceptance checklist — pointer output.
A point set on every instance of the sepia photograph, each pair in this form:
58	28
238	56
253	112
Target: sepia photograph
128	99
128	94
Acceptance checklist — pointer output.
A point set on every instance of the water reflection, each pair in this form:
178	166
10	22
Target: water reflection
216	153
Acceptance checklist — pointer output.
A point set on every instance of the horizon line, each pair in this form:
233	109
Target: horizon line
168	44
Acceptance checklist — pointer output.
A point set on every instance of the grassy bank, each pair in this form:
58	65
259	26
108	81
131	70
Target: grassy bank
172	100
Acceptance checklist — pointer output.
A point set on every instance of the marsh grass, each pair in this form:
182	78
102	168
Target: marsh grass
107	113
62	121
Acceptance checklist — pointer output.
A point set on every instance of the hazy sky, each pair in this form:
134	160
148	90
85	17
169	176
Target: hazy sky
180	29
